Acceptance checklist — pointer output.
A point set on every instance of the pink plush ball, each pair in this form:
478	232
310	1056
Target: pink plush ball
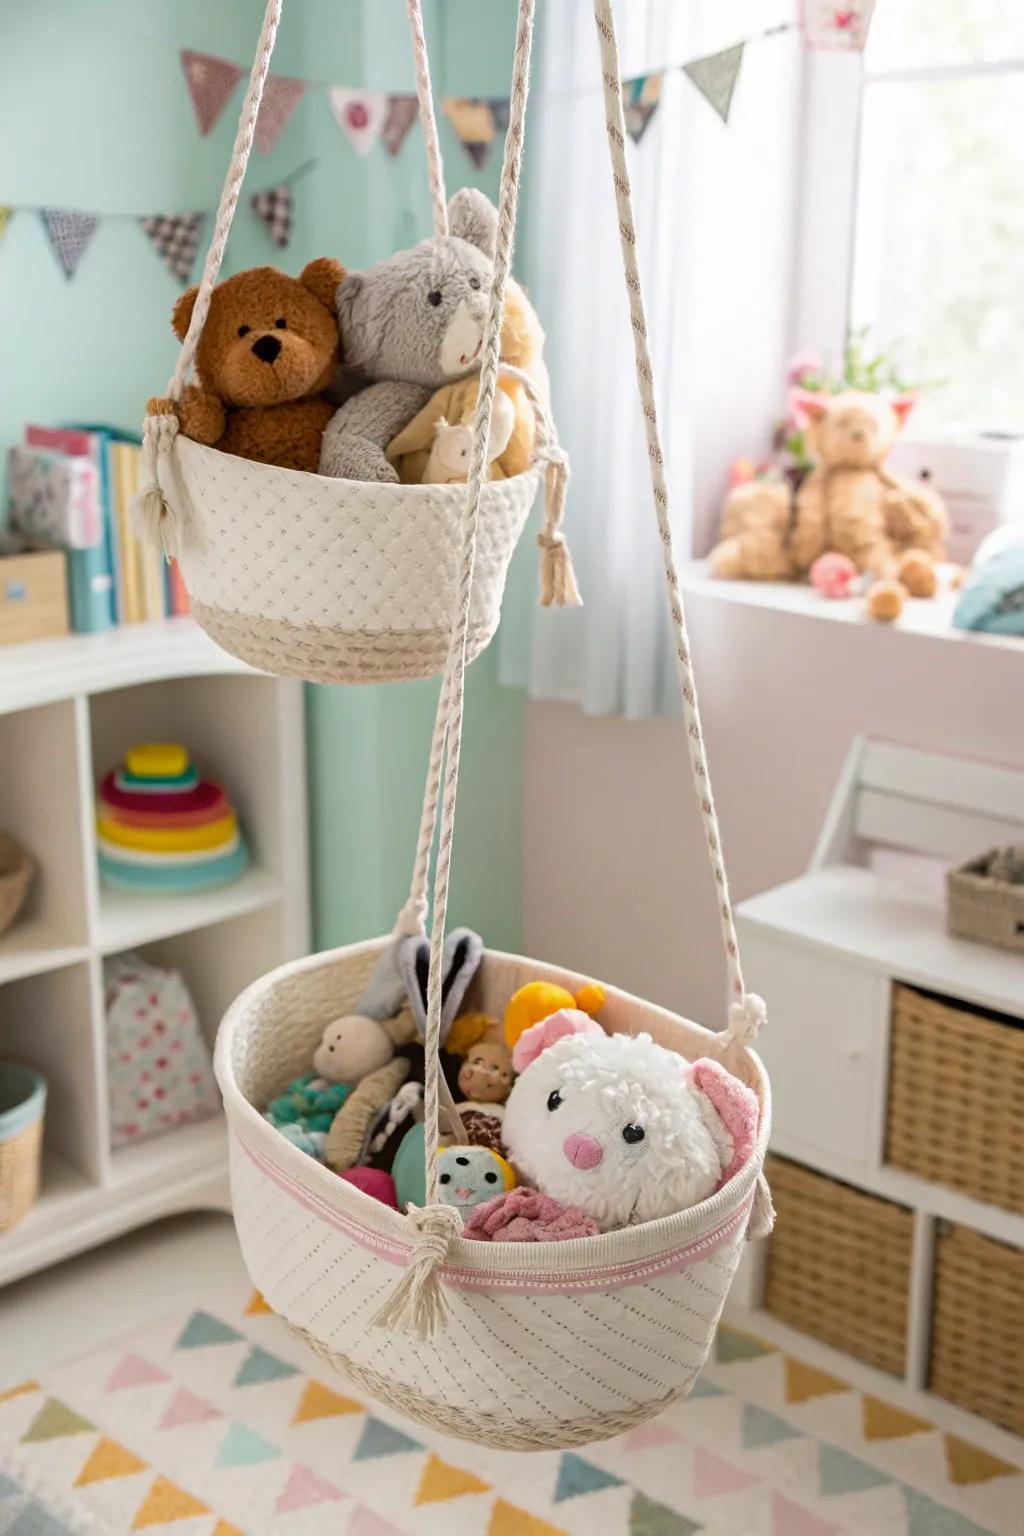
833	575
374	1182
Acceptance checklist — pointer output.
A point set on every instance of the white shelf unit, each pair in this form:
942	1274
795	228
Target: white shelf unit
826	950
68	710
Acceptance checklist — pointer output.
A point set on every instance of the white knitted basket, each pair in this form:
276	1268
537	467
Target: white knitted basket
547	1344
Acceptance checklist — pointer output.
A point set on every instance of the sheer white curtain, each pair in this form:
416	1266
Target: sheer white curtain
611	656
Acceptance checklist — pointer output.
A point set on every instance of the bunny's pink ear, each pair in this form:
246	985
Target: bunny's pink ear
557	1026
902	405
735	1105
808	404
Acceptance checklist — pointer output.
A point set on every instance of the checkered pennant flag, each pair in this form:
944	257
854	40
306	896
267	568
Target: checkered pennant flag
275	207
176	237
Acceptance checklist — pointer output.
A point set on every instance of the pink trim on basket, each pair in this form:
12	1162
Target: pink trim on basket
609	1277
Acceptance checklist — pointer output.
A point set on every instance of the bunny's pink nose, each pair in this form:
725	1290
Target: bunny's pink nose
582	1151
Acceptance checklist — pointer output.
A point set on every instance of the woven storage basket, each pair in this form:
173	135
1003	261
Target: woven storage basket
838	1265
547	1344
16	870
979	907
978	1326
22	1104
956	1097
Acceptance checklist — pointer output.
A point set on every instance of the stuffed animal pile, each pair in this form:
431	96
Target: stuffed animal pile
564	1130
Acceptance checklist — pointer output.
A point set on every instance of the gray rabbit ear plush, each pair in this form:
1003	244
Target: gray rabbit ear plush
410	324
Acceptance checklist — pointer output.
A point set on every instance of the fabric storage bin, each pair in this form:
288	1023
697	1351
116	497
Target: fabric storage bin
158	1064
956	1096
22	1105
978	1326
983	906
16	870
838	1264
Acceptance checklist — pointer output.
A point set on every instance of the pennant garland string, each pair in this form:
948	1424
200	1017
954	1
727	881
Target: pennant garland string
281	95
210	83
401	114
275	208
70	233
640	98
360	114
828	24
175	237
716	76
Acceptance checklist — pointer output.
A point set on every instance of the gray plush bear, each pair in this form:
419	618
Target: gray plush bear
410	324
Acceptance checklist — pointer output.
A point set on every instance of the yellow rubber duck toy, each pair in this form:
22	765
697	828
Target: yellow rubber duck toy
540	999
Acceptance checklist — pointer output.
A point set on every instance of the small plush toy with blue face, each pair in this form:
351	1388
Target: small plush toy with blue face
467	1176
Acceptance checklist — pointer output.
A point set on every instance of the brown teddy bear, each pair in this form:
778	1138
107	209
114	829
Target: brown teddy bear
267	354
754	544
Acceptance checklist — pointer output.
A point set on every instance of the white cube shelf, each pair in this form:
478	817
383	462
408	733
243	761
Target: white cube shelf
68	710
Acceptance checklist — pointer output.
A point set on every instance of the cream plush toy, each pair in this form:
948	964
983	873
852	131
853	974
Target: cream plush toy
619	1127
451	451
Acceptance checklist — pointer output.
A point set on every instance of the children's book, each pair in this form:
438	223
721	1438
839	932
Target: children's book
91	583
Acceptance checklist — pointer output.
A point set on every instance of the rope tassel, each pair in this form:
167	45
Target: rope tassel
417	1305
558	587
153	517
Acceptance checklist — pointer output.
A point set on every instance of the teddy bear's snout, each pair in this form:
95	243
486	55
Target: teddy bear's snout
582	1151
267	349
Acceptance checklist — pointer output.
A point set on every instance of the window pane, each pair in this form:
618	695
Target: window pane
940	231
906	34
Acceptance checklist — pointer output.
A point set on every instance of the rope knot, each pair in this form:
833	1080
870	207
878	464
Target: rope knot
746	1019
417	1304
153	516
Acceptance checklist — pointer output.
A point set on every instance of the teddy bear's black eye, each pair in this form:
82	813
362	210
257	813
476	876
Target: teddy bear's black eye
491	1178
243	330
445	1178
434	297
474	282
554	1099
633	1133
282	324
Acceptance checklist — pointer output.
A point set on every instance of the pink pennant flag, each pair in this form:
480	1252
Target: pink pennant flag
186	1408
133	1371
361	115
712	1474
303	1488
401	114
839	24
210	82
281	95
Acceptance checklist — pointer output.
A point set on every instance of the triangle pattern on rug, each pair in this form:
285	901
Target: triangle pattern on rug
320	1402
839	1472
702	1387
225	1528
133	1371
762	1427
926	1518
713	1475
260	1366
303	1488
970	1464
54	1420
506	1520
804	1382
440	1482
789	1519
648	1437
186	1408
881	1421
109	1459
34	1520
165	1502
649	1518
243	1447
381	1439
576	1476
257	1306
202	1329
365	1523
7	1486
732	1345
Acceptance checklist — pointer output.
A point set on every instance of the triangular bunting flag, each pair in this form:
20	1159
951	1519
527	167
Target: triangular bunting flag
970	1464
109	1459
281	95
713	1475
759	1427
650	1437
440	1482
831	25
380	1439
715	77
133	1371
477	122
804	1382
789	1519
702	1387
649	1518
210	82
640	98
53	1421
165	1502
256	1305
732	1345
260	1366
360	114
243	1447
881	1421
176	238
275	208
363	1522
303	1488
576	1476
20	1390
203	1329
320	1402
401	114
70	233
186	1408
926	1518
839	1472
5	219
506	1520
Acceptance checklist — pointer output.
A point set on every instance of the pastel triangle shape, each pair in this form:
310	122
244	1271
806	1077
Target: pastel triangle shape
364	1522
260	1366
34	1520
804	1382
243	1447
649	1518
789	1519
761	1427
926	1518
257	1306
576	1476
839	1472
164	1503
225	1528
732	1345
507	1520
202	1329
304	1488
441	1481
210	83
702	1387
713	1475
133	1371
715	77
20	1390
380	1439
186	1408
648	1437
319	1402
968	1463
109	1459
53	1421
881	1421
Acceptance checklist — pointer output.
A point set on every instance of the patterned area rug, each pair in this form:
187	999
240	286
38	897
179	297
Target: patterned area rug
209	1423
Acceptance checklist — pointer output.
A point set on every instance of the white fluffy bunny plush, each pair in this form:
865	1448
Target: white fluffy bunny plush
620	1127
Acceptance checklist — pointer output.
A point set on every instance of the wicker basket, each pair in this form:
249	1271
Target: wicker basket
983	908
956	1097
16	870
22	1104
838	1265
547	1344
978	1326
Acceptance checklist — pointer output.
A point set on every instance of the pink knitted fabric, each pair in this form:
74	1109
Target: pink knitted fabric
527	1216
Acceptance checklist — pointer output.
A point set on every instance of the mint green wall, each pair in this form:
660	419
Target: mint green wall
94	114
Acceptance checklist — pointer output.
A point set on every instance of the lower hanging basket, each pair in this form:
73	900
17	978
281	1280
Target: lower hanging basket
22	1104
547	1344
335	581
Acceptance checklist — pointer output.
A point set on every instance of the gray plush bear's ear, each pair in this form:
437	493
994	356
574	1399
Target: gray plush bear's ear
473	217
